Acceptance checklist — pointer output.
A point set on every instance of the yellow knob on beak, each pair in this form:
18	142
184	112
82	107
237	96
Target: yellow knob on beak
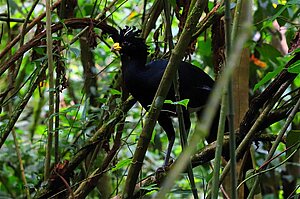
116	47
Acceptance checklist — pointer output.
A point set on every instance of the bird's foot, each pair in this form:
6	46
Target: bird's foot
160	174
162	171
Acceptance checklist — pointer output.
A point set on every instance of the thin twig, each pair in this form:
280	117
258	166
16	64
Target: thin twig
277	141
29	27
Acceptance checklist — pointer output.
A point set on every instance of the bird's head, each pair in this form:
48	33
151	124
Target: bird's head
130	43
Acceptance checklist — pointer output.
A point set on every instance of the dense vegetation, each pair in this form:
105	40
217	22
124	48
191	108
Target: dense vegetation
69	128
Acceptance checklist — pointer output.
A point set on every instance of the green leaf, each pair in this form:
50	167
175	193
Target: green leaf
295	67
76	51
209	176
40	50
250	182
283	16
269	54
205	49
297	81
279	12
153	137
122	164
268	77
295	51
150	187
115	92
293	2
102	100
292	138
183	102
168	102
71	108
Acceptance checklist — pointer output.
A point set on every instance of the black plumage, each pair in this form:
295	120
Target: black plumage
142	80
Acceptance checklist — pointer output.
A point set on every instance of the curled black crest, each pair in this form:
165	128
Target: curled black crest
130	32
130	39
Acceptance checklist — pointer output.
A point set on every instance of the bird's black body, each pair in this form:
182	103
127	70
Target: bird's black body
142	81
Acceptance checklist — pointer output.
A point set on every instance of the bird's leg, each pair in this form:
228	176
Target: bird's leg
187	121
166	123
169	150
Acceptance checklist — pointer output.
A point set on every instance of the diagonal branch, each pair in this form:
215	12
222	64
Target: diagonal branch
156	106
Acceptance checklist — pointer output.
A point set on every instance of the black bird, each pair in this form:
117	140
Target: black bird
142	80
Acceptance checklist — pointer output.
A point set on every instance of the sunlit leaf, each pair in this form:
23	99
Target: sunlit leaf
297	81
268	77
295	67
121	164
183	102
115	92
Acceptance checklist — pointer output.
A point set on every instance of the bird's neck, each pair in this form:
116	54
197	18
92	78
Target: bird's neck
137	62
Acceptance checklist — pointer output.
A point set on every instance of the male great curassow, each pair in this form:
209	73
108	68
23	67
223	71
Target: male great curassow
142	80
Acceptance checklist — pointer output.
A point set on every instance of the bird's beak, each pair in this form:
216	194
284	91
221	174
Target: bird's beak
116	47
